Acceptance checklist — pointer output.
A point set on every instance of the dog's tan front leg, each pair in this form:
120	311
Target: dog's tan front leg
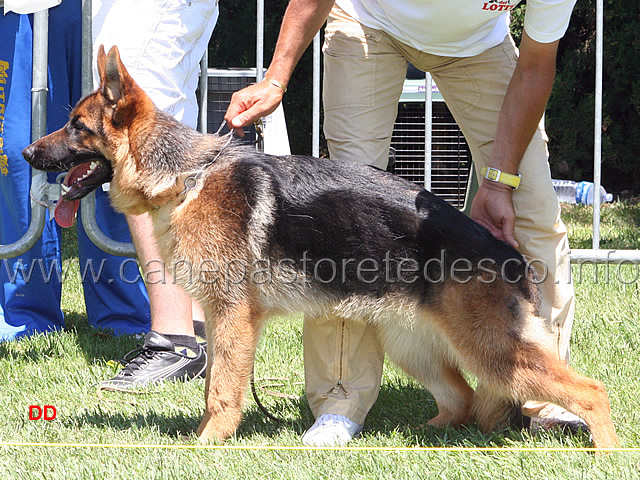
232	335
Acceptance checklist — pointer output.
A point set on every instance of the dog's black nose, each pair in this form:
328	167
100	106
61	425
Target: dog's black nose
28	152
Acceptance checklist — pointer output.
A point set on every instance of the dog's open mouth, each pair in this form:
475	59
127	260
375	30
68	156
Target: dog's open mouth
79	182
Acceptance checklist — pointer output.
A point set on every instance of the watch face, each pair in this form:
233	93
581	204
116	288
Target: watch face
492	174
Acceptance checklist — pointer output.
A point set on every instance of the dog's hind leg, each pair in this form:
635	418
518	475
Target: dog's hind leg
496	336
422	354
543	377
517	368
232	335
494	411
452	394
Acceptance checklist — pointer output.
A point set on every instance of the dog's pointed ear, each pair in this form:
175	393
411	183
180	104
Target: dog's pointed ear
113	76
115	82
102	60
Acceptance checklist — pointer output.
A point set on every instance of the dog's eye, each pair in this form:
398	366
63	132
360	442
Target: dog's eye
77	125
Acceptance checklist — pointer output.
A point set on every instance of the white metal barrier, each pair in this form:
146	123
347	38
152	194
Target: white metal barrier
38	129
596	254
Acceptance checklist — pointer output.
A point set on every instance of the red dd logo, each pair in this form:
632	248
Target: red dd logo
47	412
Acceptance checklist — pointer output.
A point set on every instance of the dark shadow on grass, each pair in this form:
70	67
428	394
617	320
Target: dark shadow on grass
104	347
177	425
41	346
99	344
294	416
402	411
405	408
96	346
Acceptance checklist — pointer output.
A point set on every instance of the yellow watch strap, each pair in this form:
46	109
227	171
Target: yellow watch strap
495	175
276	83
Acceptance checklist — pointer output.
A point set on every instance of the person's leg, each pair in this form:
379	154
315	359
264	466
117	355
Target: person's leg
30	285
171	350
171	308
363	80
474	89
114	290
161	46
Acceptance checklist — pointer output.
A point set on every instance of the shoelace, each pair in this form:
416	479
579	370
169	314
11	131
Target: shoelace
140	356
329	419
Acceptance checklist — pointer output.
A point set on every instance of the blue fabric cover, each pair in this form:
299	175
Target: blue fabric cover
115	297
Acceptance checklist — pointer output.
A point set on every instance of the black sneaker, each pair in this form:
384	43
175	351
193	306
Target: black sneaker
155	361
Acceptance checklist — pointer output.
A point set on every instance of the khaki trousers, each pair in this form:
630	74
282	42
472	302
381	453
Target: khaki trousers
364	71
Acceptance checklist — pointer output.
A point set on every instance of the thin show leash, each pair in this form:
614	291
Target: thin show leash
192	181
189	184
260	405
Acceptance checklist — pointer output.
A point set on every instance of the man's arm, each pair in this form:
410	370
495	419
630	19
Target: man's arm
523	106
302	20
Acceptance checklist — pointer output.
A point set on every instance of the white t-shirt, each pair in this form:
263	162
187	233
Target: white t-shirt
459	28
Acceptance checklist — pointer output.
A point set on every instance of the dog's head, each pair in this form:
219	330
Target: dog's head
90	144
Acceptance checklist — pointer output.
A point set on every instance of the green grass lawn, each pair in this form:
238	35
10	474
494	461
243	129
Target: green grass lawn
62	369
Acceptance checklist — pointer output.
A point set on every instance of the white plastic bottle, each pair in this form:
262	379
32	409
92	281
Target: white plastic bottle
569	191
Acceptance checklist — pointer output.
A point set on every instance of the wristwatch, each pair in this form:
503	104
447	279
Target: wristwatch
498	176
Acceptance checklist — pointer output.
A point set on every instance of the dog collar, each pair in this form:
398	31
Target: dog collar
498	176
191	182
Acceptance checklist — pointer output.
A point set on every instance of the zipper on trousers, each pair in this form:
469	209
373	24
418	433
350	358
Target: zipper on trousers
339	386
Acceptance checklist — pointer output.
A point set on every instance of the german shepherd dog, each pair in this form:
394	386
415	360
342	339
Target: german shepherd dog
250	235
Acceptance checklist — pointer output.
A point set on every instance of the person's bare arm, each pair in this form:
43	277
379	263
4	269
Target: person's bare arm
302	20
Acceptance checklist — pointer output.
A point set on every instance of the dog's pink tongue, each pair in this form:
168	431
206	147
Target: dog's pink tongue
66	210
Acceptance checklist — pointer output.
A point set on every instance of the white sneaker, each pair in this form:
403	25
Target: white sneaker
563	421
330	431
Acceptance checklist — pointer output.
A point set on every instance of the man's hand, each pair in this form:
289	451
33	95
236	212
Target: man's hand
492	208
301	22
251	103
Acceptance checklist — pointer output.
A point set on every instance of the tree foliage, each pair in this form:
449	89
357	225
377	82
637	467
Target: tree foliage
570	113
